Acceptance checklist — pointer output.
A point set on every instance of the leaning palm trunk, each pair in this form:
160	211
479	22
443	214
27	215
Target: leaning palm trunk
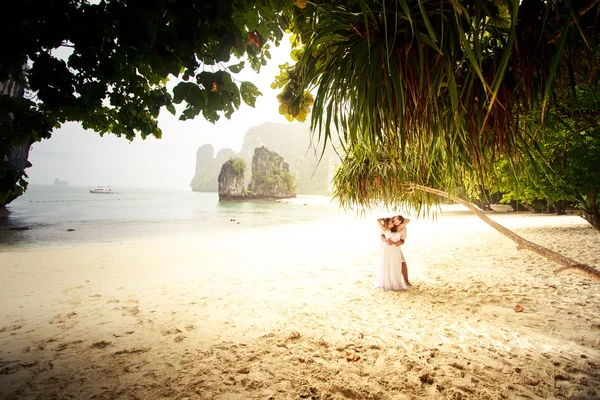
365	180
568	265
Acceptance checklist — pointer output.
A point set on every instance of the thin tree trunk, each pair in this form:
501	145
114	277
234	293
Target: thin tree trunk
17	161
568	265
592	215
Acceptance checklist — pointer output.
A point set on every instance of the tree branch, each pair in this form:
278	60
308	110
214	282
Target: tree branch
568	265
583	11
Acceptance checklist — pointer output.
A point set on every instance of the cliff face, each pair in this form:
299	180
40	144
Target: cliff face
271	176
208	168
204	156
57	181
291	141
231	182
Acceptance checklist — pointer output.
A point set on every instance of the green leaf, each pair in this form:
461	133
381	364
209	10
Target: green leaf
263	30
180	92
206	79
252	20
235	96
223	50
214	102
196	97
268	13
224	78
171	108
249	93
236	68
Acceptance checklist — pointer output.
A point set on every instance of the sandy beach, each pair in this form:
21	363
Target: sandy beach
289	312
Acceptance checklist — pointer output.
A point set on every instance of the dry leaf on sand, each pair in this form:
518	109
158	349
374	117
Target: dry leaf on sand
518	308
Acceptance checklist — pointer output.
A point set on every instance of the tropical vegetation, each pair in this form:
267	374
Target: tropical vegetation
271	175
108	64
565	171
425	95
238	164
292	141
437	93
430	95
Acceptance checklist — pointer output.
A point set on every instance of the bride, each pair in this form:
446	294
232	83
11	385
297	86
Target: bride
389	271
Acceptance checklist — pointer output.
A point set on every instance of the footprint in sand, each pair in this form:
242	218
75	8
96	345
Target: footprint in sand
172	331
100	345
62	319
75	294
179	338
118	335
67	345
11	328
130	311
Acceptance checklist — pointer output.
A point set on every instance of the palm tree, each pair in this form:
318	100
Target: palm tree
427	94
370	181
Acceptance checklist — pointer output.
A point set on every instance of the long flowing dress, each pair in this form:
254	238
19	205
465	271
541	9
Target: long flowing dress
389	270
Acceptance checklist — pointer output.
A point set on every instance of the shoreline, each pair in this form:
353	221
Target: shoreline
63	223
289	311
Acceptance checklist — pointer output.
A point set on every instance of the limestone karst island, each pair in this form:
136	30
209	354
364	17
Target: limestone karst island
311	167
271	178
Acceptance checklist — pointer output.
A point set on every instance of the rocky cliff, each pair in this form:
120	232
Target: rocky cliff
231	180
290	140
271	178
208	168
57	181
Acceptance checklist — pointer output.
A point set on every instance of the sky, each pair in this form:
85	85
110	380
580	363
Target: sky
84	158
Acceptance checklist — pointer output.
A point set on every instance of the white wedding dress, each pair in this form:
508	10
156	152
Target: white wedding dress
389	271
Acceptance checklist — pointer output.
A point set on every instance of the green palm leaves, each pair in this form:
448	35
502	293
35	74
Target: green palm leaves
444	83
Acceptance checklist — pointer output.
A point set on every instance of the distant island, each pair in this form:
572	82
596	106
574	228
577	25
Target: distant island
271	179
290	140
59	182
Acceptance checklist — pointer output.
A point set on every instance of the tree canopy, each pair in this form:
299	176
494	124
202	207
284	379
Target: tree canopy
120	55
421	92
107	64
433	93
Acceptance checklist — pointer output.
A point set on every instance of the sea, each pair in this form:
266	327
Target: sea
55	215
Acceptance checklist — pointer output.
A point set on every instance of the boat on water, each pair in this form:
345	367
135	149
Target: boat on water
60	183
103	190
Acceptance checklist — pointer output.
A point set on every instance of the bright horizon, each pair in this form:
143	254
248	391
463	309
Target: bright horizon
84	158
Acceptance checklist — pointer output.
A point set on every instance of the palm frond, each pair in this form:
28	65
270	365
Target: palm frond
446	83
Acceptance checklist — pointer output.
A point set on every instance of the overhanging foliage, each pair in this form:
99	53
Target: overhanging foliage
435	91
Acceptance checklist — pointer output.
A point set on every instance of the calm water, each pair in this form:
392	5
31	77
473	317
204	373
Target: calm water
49	215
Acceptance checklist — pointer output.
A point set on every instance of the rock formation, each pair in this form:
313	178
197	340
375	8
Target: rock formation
291	141
231	180
57	181
208	167
271	178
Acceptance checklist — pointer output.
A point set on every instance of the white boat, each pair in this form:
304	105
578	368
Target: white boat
103	190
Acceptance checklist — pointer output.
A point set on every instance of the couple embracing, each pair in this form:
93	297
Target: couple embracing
392	272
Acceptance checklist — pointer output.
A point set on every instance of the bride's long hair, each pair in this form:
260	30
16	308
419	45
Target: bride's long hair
386	223
395	228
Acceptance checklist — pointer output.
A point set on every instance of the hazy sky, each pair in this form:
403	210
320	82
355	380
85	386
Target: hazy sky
84	158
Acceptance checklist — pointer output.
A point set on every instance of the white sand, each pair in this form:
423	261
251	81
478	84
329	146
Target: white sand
279	312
